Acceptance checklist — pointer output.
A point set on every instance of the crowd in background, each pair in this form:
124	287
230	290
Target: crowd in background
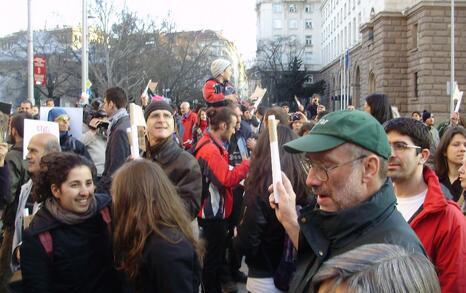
368	202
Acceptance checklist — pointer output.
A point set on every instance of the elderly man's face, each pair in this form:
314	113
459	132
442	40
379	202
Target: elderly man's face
343	188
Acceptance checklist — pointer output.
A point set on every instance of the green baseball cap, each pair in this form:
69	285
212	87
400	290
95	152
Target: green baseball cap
337	128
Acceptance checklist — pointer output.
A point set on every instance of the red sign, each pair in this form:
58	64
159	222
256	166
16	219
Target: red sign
39	70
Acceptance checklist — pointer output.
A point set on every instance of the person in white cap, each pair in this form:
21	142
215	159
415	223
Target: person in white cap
218	88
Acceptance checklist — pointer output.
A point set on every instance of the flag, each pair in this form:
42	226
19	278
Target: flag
347	60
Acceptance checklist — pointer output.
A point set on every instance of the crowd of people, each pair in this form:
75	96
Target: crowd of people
367	203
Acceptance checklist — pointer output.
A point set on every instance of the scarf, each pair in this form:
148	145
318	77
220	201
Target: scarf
67	217
121	113
203	125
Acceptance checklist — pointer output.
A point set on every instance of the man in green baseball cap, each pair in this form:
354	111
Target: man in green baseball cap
347	154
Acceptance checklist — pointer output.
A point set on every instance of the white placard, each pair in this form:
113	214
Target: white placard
33	127
275	155
76	119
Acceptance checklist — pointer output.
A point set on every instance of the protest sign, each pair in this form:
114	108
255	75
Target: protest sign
33	127
76	119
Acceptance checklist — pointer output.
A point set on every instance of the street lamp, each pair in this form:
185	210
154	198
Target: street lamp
84	61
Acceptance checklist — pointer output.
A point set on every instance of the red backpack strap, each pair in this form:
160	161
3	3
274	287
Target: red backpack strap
45	239
105	212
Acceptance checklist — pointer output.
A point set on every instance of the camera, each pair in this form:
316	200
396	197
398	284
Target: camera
295	117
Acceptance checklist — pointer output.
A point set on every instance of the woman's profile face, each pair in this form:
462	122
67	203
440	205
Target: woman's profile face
455	150
76	192
367	108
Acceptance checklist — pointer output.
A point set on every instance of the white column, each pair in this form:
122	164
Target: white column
30	55
84	61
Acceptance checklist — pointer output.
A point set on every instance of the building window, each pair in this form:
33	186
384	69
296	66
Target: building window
292	24
307	57
308	40
372	82
292	8
414	36
307	9
308	24
277	8
277	24
416	85
309	79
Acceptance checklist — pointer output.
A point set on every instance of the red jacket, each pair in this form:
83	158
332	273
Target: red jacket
214	92
441	227
217	178
188	120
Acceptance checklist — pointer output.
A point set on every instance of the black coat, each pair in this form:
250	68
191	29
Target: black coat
116	153
260	236
71	144
324	235
168	267
183	171
81	260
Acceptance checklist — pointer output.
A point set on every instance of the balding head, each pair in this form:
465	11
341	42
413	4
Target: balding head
40	145
184	107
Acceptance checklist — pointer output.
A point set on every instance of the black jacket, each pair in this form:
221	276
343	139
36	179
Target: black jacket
81	260
260	236
168	267
183	170
116	153
324	234
71	144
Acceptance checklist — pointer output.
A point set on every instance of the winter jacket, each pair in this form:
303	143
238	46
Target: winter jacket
441	227
260	236
81	260
454	188
183	171
17	168
116	153
71	144
324	235
188	120
167	266
4	180
218	179
214	92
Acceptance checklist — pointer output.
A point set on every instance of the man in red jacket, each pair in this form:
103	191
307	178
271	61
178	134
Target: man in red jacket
438	222
218	88
188	119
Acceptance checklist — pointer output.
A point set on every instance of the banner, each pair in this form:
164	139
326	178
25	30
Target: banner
40	71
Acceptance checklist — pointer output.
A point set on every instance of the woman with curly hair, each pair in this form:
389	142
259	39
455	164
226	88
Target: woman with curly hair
67	247
153	240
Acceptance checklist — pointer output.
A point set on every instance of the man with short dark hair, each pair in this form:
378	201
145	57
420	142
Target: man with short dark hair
438	222
118	147
26	107
347	153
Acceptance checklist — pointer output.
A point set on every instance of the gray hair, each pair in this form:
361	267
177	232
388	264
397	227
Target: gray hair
379	268
52	145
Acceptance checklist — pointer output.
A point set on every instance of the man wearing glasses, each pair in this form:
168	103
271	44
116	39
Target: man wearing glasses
438	222
347	153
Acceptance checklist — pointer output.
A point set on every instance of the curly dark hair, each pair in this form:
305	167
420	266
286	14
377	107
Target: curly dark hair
54	169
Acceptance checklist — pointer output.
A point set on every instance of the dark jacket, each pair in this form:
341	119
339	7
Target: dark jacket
441	227
81	260
17	168
260	236
116	153
168	267
454	189
324	235
4	181
183	170
71	144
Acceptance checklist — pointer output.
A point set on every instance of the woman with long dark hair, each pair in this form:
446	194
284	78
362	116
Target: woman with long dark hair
67	247
201	125
153	240
378	105
260	235
448	158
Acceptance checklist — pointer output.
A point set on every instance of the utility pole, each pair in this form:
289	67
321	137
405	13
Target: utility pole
30	55
452	56
84	59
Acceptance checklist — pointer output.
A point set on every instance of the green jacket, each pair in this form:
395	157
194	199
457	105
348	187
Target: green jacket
324	235
17	168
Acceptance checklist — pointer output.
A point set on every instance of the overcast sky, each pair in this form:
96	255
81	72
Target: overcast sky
235	18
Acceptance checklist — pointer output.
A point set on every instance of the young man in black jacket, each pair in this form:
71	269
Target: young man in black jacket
347	152
118	148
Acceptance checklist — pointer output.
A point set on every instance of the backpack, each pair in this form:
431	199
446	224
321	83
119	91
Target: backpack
45	237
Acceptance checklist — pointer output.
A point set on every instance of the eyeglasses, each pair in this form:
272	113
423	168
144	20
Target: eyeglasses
322	173
63	118
401	146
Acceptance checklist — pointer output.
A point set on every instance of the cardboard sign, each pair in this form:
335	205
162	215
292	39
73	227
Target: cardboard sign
5	110
33	127
76	119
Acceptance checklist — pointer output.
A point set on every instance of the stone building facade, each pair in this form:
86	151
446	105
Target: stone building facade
406	55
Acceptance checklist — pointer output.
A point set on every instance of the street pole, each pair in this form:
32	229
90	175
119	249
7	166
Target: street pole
84	61
452	56
30	55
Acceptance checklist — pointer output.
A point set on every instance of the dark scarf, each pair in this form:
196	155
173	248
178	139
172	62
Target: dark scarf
67	217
